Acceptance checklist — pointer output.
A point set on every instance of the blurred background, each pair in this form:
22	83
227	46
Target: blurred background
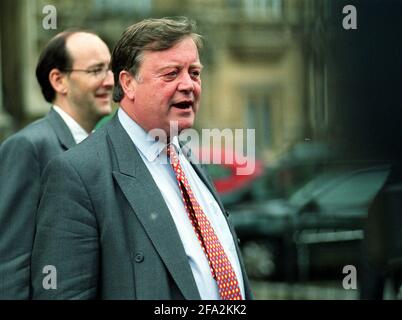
326	106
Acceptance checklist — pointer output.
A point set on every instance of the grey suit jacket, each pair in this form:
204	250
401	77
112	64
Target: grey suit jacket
23	158
103	224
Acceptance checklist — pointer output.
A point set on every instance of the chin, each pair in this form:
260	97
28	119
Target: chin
182	123
186	123
105	110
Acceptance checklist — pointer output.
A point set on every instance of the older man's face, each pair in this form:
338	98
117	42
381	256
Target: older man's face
168	87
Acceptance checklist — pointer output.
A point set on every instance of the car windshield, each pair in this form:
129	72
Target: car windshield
314	187
356	189
341	189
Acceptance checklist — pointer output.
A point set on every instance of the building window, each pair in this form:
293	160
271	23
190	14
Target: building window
259	117
142	7
263	8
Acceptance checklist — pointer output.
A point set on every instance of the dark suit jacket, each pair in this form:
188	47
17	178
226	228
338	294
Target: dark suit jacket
103	224
23	158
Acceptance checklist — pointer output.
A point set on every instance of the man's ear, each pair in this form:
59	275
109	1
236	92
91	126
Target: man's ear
58	81
128	83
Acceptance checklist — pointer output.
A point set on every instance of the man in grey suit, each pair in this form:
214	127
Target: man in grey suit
112	223
73	72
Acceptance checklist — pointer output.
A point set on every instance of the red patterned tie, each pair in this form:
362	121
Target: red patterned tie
219	263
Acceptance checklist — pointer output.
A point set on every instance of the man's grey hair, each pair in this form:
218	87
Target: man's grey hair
152	35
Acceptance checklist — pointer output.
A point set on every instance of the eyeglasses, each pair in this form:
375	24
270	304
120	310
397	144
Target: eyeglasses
97	72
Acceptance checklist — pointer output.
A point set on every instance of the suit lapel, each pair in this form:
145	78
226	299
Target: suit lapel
209	184
201	173
138	187
63	133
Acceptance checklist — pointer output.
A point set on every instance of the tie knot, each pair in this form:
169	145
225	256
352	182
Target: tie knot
171	152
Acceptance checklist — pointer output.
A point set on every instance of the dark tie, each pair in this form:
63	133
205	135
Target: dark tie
220	266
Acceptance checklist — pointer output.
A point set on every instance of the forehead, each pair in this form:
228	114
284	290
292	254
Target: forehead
184	52
87	49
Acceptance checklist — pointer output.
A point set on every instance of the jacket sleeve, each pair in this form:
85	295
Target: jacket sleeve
19	195
66	246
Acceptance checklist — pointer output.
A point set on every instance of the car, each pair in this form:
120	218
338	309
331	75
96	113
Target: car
296	166
232	186
314	232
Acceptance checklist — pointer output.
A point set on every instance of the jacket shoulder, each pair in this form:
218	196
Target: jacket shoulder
89	152
34	133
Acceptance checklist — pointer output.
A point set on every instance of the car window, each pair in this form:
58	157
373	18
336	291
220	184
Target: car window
314	187
356	189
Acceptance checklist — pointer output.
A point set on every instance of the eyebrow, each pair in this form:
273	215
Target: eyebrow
99	64
197	65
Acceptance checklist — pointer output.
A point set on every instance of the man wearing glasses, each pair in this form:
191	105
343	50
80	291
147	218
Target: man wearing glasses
74	75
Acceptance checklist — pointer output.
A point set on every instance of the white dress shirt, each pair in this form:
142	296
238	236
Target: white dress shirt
164	177
76	130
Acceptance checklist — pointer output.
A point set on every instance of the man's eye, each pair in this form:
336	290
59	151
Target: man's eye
96	71
171	74
195	74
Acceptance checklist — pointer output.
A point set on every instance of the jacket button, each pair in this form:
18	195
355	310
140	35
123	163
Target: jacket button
139	257
238	241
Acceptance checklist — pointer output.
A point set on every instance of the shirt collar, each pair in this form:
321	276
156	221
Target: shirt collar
145	143
77	131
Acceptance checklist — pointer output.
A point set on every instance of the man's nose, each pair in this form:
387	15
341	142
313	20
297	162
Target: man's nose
186	83
109	79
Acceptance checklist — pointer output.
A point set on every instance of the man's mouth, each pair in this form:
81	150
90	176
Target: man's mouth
103	95
183	105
